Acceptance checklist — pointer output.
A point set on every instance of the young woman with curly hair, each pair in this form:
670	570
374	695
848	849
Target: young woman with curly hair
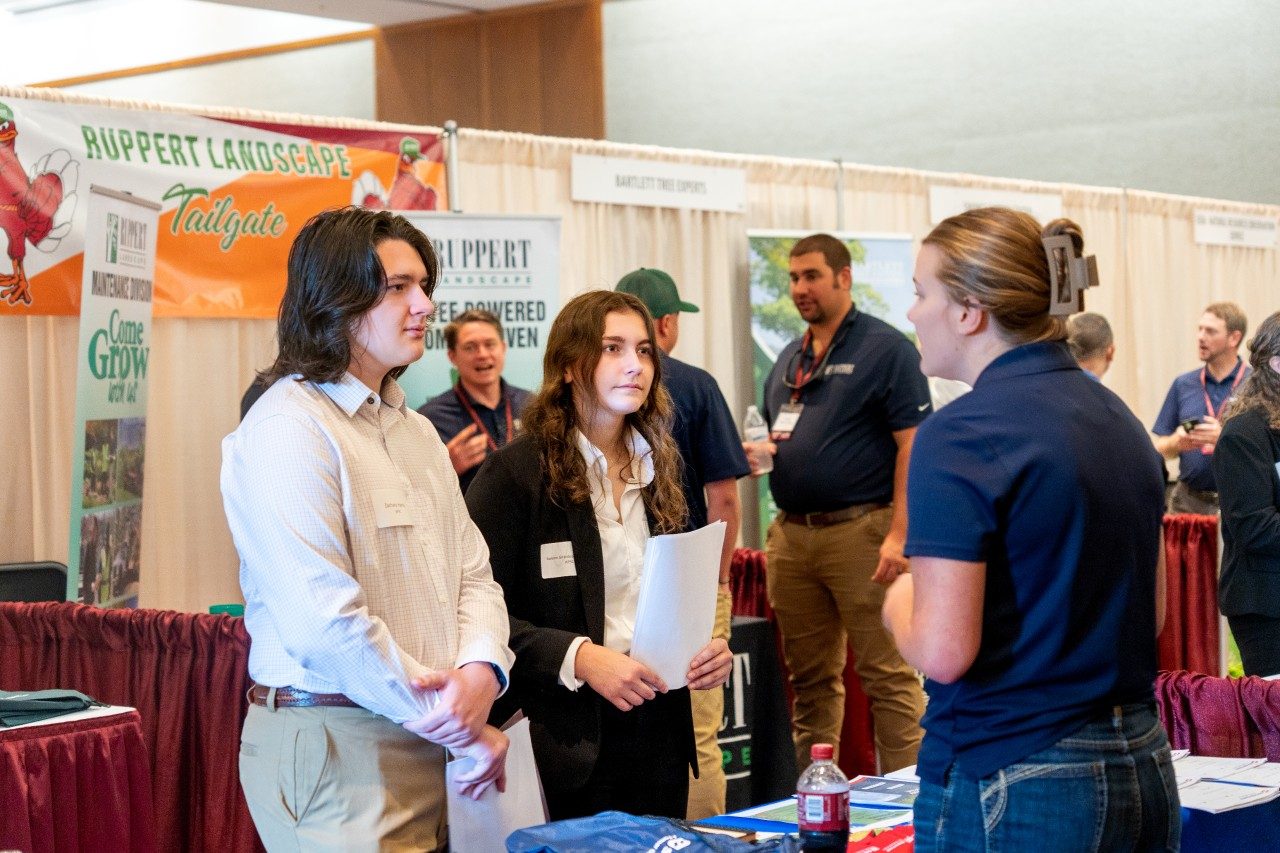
566	509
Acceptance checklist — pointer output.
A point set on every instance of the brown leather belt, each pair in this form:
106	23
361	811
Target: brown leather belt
826	519
292	697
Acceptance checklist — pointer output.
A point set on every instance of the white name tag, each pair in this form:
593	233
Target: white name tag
391	507
786	422
557	560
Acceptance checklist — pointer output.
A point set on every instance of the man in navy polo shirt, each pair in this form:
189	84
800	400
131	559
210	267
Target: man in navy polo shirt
713	461
843	404
1187	425
481	412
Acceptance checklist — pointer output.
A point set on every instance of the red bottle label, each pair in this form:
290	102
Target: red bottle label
823	812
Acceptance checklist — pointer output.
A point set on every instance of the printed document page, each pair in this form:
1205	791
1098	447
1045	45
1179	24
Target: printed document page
677	608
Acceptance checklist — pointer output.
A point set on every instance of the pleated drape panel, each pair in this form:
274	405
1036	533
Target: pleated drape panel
1190	636
81	786
187	675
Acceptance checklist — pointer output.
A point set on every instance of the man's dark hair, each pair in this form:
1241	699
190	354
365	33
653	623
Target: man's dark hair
471	315
834	251
335	277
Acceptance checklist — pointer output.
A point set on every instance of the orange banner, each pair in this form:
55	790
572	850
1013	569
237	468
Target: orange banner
233	195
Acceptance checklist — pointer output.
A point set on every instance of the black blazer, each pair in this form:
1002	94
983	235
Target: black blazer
1244	461
508	501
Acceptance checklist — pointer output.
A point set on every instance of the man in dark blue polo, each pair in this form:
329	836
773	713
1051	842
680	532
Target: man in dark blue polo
713	461
481	412
843	404
1187	425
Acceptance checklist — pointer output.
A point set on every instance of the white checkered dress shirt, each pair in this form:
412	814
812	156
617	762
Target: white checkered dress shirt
334	603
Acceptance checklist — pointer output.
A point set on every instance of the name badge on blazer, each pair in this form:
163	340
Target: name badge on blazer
391	507
557	560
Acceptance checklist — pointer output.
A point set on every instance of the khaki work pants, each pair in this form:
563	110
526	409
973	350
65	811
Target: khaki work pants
340	779
819	581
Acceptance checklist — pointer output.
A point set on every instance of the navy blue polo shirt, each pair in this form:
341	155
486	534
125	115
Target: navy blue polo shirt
1046	477
449	418
1186	400
710	448
842	451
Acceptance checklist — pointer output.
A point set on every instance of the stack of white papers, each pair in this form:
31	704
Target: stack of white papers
1217	785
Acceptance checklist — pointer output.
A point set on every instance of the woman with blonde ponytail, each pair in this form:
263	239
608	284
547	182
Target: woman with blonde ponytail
1034	534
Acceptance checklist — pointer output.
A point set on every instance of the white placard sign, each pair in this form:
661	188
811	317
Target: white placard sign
509	265
655	183
948	201
1216	228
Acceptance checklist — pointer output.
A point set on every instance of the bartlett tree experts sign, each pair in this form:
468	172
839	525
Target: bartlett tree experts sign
657	183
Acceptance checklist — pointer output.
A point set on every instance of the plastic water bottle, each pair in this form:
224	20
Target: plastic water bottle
755	431
822	802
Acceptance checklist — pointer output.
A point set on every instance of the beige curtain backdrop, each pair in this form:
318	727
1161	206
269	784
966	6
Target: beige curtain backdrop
1155	281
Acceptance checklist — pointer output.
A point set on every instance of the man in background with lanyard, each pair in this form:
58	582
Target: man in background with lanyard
843	404
481	412
1187	425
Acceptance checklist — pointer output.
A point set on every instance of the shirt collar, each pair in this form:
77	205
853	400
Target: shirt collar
641	457
1028	359
1226	380
350	393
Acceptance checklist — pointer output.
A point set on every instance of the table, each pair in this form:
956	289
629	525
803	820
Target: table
76	784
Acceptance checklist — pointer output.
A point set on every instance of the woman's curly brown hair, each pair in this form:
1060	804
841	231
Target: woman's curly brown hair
1262	389
553	416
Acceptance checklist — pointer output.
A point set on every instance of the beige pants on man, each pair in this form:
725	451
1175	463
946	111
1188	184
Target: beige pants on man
340	779
820	587
707	791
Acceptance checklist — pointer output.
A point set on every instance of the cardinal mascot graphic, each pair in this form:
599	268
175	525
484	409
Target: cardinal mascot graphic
35	205
407	191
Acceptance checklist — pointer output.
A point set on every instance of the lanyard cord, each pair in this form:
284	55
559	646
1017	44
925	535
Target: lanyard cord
464	399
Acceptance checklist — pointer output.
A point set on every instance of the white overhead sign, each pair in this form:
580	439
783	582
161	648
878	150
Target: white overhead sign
1215	228
948	201
656	183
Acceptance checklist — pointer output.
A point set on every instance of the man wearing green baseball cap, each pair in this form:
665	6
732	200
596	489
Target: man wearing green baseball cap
713	461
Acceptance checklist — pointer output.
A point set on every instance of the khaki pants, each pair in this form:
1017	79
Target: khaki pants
1183	500
820	586
707	792
340	779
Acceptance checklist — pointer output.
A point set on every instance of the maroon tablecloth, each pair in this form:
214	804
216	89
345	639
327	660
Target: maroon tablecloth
186	673
83	786
857	736
1228	717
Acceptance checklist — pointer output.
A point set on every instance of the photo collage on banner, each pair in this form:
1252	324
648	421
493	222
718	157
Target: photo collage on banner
882	270
233	195
111	399
509	265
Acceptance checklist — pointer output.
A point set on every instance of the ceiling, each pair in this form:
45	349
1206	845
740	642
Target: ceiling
382	13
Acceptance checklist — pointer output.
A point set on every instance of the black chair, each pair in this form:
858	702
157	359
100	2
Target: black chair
46	581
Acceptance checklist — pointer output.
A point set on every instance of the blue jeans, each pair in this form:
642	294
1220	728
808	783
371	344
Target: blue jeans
1108	786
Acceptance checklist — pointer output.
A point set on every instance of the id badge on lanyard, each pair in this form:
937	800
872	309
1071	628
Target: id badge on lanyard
785	423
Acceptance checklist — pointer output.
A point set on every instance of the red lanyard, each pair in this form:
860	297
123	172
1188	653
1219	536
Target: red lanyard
803	376
466	404
1204	387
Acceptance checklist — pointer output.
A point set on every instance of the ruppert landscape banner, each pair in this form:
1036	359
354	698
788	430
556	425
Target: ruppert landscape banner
233	195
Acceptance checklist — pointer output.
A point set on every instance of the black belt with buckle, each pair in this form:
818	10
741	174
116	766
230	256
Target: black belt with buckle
292	697
826	519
